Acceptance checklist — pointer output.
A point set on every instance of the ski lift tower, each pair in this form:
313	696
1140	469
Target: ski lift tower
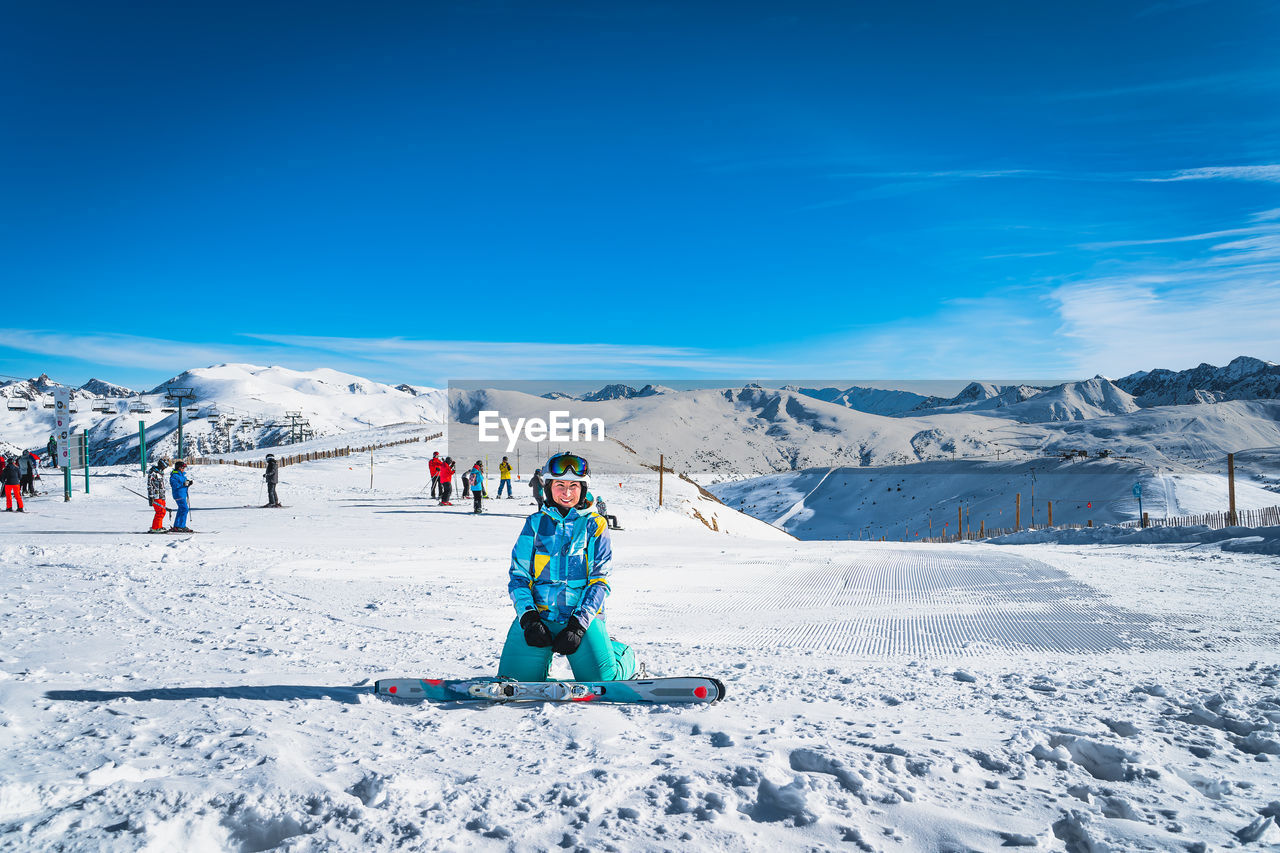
295	421
179	396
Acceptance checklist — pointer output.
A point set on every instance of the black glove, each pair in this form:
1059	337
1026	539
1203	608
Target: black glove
536	633
568	640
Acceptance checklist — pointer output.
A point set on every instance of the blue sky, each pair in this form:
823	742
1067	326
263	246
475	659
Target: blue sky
425	191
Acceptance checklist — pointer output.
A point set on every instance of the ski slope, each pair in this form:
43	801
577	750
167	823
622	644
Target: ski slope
214	691
922	500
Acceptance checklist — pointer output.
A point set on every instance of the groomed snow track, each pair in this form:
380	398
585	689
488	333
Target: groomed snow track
919	601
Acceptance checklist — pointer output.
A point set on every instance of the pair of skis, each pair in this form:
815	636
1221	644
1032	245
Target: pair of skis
684	690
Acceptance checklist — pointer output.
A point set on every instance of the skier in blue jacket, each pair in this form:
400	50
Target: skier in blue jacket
179	482
477	484
559	580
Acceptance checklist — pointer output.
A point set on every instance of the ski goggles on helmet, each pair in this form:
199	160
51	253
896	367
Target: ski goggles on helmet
566	463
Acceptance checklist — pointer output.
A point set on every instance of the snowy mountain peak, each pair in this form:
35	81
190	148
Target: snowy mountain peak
29	389
975	392
101	388
1244	378
617	391
1076	401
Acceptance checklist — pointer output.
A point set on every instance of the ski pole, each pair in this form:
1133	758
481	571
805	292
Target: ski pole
145	498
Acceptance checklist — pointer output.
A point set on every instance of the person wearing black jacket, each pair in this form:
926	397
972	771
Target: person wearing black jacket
535	483
12	480
272	476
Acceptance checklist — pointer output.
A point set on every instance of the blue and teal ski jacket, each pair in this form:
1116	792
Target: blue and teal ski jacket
477	480
560	565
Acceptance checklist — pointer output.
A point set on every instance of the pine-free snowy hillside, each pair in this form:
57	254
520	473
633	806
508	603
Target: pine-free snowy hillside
328	397
730	434
101	388
1178	453
979	397
1075	401
922	500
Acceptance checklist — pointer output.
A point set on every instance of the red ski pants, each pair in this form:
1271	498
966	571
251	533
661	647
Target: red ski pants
11	492
157	523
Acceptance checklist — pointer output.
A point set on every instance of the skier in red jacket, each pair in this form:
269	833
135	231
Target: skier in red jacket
433	465
446	480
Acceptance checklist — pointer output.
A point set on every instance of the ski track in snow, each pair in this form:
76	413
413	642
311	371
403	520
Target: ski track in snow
214	692
923	601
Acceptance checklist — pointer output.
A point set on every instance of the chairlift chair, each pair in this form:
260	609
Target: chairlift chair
17	404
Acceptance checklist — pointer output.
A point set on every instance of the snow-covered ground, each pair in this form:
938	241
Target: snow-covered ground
921	500
213	692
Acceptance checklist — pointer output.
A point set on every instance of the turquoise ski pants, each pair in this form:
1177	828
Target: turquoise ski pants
597	659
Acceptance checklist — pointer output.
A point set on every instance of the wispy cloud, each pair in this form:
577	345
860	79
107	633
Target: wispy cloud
1222	303
1268	173
1119	317
1182	238
521	359
385	359
131	351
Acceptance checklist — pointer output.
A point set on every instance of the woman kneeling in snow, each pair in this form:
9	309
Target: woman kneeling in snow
559	581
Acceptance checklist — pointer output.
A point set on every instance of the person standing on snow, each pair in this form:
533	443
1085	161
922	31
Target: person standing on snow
476	478
156	494
535	483
504	477
12	480
559	580
446	480
433	466
53	452
179	482
27	465
272	476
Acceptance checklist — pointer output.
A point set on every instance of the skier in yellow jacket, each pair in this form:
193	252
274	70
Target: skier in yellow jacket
504	477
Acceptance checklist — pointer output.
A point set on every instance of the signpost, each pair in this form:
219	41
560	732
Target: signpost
79	456
1137	493
62	433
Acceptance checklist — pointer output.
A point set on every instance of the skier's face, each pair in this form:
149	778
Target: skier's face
566	493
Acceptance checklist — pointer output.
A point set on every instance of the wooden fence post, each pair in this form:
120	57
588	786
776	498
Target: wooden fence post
1017	512
660	467
1231	488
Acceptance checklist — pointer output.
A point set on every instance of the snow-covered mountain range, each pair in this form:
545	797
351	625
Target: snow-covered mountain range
729	435
233	407
1244	378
